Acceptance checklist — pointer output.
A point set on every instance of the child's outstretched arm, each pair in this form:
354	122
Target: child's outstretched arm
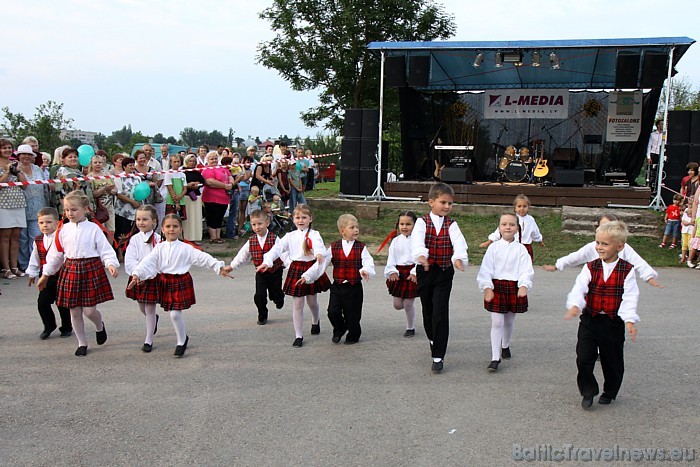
460	259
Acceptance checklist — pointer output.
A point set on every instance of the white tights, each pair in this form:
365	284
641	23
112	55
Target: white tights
179	324
298	312
502	325
76	318
407	304
149	311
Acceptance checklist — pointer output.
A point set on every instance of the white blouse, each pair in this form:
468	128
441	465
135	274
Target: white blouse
292	244
82	240
507	261
34	268
139	247
174	258
459	244
588	253
528	227
399	255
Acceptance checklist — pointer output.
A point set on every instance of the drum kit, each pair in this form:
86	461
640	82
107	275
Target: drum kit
519	166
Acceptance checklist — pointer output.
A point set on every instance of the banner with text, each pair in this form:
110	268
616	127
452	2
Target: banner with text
624	116
526	103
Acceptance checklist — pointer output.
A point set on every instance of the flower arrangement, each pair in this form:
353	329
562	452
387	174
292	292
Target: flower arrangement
592	107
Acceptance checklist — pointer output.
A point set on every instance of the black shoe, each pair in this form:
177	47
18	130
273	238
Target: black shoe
66	333
155	329
587	402
316	328
493	366
262	321
351	341
101	336
45	334
505	353
180	349
605	399
279	304
298	342
81	352
437	367
409	333
147	348
336	339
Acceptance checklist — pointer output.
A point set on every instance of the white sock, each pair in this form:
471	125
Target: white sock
298	316
179	324
409	306
436	359
76	319
508	327
149	310
497	320
312	301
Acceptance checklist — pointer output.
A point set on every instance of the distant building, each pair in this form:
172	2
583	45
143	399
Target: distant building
85	137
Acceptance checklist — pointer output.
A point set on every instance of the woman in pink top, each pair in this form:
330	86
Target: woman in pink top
215	197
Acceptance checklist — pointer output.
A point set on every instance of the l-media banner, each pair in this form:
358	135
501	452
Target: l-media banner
526	103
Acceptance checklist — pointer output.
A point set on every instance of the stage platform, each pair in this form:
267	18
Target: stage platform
503	193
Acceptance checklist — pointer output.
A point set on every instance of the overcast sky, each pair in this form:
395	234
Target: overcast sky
164	65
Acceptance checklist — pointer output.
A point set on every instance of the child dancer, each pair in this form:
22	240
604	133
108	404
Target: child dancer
171	261
672	218
505	277
140	245
270	281
400	270
79	250
606	294
47	218
588	253
306	276
529	232
351	263
687	229
436	245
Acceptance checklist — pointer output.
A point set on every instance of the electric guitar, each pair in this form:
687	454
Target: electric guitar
541	169
438	170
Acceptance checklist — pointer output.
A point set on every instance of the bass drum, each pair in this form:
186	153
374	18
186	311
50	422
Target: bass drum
516	171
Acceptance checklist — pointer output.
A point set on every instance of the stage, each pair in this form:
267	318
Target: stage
503	193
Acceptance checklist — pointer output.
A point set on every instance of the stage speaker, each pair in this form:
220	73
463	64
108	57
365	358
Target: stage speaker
627	70
395	71
565	157
679	126
368	181
569	177
368	154
352	126
350	153
677	158
654	69
694	127
456	175
370	123
419	71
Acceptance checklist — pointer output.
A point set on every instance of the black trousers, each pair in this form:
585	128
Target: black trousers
345	309
46	298
607	336
267	283
434	288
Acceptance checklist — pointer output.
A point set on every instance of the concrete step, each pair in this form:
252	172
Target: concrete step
640	222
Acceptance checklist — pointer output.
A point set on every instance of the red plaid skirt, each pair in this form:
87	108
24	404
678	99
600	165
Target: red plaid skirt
145	292
83	282
176	291
506	298
528	247
179	210
298	268
402	288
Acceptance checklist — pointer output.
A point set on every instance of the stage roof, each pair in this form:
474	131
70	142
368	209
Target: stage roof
583	64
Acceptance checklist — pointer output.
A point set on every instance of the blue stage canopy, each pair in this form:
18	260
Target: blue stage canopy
582	64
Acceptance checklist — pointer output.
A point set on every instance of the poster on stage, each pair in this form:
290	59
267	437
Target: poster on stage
526	103
624	116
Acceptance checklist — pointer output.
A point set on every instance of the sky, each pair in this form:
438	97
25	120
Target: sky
163	65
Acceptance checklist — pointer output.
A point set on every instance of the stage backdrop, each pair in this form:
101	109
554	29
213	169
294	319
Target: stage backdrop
456	119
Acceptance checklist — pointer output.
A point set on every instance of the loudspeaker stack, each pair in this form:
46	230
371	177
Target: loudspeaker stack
682	147
358	154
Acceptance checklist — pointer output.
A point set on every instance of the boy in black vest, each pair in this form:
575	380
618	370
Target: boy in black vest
270	281
606	290
436	245
47	218
351	263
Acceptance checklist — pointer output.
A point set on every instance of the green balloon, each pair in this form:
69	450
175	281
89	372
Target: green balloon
141	191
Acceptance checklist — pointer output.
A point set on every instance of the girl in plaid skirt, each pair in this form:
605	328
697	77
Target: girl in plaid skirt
141	244
505	277
306	276
171	261
400	270
528	231
80	248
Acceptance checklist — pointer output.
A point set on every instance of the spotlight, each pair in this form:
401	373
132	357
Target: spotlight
477	61
499	59
554	60
536	58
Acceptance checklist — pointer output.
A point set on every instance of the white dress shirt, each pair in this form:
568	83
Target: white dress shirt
630	295
243	256
82	240
139	247
588	253
459	244
292	244
174	258
367	260
399	255
508	261
34	268
528	227
654	144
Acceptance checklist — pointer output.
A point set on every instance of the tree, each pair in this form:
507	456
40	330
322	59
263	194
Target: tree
100	140
120	137
216	137
683	97
46	125
191	137
159	138
322	44
239	141
171	140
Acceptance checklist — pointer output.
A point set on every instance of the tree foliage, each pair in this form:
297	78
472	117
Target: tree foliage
683	97
45	125
321	45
